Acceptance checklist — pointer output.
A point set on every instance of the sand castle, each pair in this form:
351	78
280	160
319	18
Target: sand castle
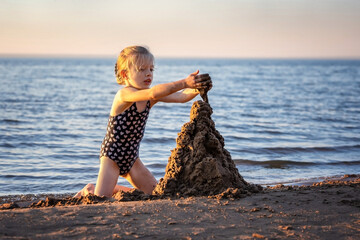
200	165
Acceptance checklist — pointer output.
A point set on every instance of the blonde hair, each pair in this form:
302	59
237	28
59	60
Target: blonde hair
136	56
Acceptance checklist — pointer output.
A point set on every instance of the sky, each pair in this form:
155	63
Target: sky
186	28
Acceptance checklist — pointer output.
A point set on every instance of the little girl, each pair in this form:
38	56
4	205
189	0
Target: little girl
119	153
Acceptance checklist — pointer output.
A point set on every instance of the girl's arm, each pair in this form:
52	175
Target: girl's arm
162	90
187	94
180	97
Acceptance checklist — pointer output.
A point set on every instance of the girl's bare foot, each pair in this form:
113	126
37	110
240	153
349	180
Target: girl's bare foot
89	188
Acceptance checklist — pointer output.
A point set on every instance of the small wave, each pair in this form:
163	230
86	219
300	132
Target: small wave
229	126
272	163
10	120
238	138
18	177
156	165
310	181
272	132
249	115
7	145
64	170
158	140
315	149
32	178
287	163
289	150
88	115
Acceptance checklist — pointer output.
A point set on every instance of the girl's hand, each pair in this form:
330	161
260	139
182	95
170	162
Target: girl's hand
198	81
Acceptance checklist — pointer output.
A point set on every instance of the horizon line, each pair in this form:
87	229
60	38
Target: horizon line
109	56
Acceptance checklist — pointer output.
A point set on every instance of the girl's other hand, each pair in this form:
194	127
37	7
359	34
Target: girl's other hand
196	80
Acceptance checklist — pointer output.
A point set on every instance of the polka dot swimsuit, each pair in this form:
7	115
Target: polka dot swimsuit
124	133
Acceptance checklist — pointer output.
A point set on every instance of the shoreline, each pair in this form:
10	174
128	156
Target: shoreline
324	210
42	196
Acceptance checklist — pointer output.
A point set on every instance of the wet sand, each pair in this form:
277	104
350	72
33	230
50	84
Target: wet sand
326	210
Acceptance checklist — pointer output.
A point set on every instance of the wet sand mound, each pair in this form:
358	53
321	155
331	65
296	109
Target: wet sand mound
51	202
133	195
54	201
200	165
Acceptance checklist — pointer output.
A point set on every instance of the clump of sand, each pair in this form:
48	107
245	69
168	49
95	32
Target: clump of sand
200	165
55	201
50	202
133	195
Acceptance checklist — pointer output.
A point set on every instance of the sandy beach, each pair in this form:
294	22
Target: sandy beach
326	210
202	196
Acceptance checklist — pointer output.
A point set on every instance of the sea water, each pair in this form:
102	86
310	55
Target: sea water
283	121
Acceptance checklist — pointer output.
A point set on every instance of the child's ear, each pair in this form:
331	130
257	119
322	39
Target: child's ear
123	74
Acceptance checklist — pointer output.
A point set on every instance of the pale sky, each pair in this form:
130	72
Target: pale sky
186	28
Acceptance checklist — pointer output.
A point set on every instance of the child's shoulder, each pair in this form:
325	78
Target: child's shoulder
126	89
119	105
123	92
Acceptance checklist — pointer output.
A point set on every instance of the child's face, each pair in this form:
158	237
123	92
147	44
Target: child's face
141	77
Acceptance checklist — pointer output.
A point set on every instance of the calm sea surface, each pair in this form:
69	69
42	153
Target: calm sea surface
284	121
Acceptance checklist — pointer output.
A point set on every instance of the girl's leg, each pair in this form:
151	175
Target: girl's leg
90	188
121	188
107	178
141	178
